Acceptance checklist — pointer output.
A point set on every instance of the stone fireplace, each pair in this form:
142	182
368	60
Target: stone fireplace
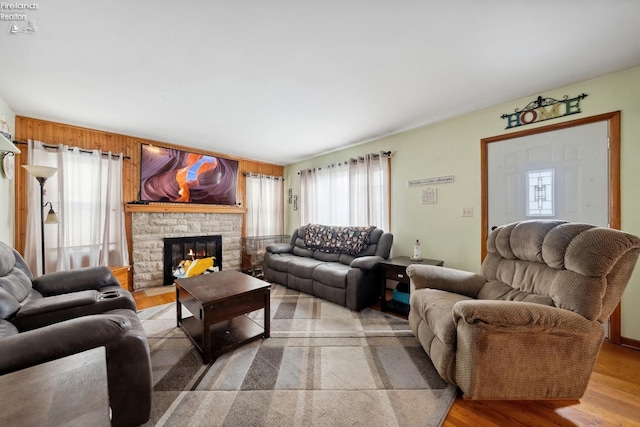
149	229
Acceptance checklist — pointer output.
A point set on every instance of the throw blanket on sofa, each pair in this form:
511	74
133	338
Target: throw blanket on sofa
336	239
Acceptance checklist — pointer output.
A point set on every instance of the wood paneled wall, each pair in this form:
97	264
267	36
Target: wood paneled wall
58	133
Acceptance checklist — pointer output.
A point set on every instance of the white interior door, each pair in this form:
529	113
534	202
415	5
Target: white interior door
555	175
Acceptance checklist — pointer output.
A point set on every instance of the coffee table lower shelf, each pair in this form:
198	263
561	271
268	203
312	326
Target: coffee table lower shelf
225	336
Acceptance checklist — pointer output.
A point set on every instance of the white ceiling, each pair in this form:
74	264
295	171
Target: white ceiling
280	81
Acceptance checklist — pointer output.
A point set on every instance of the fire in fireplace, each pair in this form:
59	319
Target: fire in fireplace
185	256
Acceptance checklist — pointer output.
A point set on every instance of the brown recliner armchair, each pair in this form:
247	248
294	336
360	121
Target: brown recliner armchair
63	313
530	326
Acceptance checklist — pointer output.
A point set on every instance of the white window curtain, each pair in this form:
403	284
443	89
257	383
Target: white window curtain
324	195
265	195
86	192
355	192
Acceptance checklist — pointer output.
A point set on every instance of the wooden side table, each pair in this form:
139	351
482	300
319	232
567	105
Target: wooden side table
123	274
396	269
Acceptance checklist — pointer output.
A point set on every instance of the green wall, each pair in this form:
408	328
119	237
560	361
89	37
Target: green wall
7	187
452	147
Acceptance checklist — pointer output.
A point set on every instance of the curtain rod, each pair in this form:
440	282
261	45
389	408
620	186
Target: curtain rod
55	147
262	175
356	159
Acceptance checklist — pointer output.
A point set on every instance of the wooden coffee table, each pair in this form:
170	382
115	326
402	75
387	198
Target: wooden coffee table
219	303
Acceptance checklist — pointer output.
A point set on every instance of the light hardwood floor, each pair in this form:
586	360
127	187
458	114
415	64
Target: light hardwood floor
612	397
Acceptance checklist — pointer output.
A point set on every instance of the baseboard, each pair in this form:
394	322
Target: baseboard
628	342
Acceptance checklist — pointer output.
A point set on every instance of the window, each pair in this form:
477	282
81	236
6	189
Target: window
540	193
86	191
264	205
355	192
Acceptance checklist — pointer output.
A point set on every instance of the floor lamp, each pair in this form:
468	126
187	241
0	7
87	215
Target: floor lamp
42	173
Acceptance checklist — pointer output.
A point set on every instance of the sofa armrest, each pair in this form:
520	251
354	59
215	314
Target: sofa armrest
523	351
366	262
280	248
62	339
82	279
446	279
519	316
38	306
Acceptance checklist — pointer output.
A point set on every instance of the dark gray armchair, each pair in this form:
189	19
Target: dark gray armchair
63	313
32	303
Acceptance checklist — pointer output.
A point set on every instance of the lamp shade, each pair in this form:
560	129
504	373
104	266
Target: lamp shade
52	217
6	145
40	171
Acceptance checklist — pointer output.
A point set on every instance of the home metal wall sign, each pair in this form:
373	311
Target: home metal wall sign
543	109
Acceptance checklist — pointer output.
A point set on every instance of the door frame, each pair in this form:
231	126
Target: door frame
613	126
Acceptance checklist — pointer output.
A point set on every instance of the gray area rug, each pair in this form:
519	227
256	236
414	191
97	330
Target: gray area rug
324	365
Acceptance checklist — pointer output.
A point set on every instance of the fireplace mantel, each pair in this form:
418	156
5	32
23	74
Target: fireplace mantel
180	207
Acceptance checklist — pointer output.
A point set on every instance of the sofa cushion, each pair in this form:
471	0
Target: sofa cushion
346	259
332	274
526	239
279	248
557	241
298	238
279	262
7	259
300	284
327	257
16	283
329	293
557	263
298	251
495	290
9	306
431	320
372	247
36	306
302	267
336	239
80	279
517	280
435	307
299	233
7	329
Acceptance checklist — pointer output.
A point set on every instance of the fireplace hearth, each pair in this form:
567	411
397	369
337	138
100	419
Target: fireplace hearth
181	250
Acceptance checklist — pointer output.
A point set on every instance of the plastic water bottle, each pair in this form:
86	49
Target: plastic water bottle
417	254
